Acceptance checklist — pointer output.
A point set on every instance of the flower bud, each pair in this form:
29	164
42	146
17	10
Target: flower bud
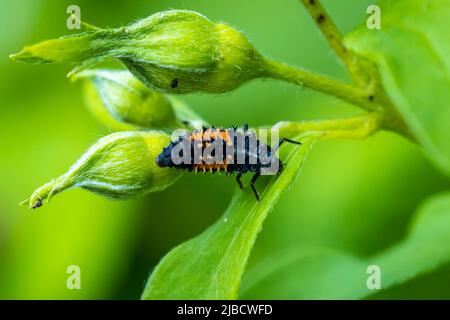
120	165
122	102
176	51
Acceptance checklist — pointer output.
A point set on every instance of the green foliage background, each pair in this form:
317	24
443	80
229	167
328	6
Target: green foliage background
356	197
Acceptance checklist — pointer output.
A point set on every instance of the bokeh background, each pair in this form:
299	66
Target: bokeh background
356	196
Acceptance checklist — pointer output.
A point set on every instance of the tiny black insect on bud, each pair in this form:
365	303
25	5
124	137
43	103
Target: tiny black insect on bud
174	83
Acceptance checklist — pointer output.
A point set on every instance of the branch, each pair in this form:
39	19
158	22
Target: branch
350	128
334	38
347	92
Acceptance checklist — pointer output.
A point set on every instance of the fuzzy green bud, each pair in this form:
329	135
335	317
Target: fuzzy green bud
175	51
120	165
122	102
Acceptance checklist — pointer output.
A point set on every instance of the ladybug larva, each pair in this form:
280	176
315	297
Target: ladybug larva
223	150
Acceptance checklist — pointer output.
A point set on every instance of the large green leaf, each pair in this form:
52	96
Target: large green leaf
412	51
301	273
305	273
210	266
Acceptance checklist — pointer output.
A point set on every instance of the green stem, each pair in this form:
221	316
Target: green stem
373	98
342	90
350	128
334	38
363	73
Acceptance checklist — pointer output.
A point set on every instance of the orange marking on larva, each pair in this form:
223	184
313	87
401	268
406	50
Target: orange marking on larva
210	134
210	166
197	136
220	134
225	136
207	135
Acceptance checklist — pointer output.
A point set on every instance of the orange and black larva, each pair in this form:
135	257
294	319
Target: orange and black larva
238	162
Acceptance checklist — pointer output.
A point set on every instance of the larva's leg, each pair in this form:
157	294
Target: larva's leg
288	140
252	185
238	179
280	142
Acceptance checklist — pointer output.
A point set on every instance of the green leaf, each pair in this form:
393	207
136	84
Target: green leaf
412	51
311	273
305	273
426	247
210	266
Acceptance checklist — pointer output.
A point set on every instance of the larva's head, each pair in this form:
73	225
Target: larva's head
164	159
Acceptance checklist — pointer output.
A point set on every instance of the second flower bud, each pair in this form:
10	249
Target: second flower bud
122	102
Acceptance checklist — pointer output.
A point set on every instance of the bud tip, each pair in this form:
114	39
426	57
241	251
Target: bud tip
45	193
26	56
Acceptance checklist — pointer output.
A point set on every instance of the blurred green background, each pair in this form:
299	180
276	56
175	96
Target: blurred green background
357	196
